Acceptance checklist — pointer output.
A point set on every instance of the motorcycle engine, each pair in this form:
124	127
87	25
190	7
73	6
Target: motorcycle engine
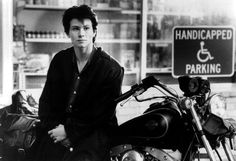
127	152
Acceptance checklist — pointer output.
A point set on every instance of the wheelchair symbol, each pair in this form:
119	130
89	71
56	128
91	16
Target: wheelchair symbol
203	53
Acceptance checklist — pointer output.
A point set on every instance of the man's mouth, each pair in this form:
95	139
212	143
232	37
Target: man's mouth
81	40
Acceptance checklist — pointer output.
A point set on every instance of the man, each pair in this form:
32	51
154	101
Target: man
76	108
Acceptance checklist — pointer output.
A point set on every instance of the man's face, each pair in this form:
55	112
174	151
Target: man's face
81	33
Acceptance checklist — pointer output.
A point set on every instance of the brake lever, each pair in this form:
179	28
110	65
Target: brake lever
139	92
125	101
136	93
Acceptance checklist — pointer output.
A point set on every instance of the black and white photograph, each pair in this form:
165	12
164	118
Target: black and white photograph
117	80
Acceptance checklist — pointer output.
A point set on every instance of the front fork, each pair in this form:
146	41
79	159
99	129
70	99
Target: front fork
227	150
205	141
203	136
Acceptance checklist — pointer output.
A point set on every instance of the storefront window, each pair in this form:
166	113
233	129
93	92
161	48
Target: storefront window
164	15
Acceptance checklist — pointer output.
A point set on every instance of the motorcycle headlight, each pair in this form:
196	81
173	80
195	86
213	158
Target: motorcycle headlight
132	155
217	105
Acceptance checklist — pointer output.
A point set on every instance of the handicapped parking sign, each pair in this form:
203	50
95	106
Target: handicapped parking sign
203	51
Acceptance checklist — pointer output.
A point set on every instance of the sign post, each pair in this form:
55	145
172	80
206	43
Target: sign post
203	51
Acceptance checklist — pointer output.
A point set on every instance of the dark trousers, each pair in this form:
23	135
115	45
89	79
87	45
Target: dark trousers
94	147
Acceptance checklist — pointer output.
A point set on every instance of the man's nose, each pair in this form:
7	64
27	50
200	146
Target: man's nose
81	32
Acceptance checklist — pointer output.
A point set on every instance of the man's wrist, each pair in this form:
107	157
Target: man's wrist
66	142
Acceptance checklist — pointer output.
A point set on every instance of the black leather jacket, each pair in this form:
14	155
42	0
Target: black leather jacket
92	109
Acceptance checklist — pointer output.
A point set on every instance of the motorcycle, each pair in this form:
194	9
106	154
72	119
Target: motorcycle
174	127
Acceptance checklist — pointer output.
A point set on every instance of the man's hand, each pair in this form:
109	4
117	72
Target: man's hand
66	143
58	133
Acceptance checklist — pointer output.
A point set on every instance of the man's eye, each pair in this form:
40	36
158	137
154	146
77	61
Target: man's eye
86	28
75	29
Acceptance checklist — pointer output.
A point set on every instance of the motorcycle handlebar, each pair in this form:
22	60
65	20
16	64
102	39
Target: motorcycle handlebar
146	83
127	94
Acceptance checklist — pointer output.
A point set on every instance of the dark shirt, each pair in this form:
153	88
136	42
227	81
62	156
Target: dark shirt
93	107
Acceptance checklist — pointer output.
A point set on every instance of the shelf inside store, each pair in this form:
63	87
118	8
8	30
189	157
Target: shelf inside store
67	40
51	7
171	13
160	42
131	71
33	74
48	40
159	70
130	12
127	41
119	21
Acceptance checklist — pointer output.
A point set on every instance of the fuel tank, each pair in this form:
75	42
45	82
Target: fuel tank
160	125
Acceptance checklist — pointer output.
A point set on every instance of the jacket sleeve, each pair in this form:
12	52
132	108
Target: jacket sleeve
45	100
104	116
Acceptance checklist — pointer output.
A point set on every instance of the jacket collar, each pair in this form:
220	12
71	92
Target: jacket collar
91	60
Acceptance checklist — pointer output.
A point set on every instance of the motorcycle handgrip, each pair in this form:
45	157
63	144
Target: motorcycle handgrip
230	124
146	83
127	94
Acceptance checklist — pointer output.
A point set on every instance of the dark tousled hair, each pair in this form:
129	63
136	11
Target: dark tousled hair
79	12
